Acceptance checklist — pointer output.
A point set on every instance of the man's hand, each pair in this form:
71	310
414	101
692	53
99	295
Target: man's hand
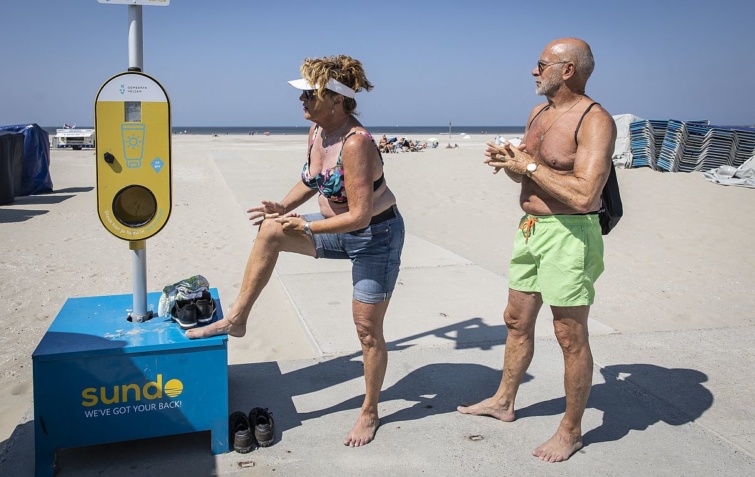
512	159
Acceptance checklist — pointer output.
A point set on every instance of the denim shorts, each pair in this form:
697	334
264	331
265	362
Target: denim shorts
374	251
558	256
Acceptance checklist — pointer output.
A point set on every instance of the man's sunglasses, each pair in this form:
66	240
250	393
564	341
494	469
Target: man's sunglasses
541	65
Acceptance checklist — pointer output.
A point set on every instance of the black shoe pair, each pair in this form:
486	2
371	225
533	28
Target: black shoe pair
261	420
190	313
246	432
239	434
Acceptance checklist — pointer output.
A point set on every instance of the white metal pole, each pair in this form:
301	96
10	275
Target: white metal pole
138	248
135	44
139	268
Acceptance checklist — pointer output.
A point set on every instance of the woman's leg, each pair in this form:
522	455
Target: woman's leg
375	269
368	318
269	243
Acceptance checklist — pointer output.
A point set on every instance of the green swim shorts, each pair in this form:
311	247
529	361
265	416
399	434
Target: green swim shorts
558	256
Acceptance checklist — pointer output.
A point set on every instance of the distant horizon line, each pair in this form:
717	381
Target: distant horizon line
307	127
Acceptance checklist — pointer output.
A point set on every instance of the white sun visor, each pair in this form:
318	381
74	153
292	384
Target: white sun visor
333	85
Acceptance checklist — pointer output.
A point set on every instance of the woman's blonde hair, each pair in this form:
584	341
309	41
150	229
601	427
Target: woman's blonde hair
342	68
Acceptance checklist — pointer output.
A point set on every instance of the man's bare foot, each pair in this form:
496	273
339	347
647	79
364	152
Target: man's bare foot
490	407
220	327
559	447
363	431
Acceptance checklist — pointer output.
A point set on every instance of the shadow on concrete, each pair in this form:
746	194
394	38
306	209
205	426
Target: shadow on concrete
468	334
429	387
183	454
635	397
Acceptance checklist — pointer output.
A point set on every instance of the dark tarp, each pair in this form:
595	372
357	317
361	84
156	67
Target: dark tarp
11	155
35	171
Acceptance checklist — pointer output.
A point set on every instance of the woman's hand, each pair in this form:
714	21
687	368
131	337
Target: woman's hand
267	210
292	224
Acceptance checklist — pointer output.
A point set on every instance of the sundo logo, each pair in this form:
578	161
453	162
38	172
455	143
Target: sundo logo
125	393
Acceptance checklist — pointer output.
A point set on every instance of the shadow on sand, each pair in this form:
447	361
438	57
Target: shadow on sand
10	214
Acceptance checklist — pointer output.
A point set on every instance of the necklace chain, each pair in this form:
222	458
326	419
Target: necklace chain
542	136
326	135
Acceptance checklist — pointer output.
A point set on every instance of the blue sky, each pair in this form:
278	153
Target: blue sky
226	62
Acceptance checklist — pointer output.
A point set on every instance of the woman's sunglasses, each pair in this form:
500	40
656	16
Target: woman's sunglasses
309	94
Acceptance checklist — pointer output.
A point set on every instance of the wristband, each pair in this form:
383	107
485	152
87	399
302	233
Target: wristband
306	229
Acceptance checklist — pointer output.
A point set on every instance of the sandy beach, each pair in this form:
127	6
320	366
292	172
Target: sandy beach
680	259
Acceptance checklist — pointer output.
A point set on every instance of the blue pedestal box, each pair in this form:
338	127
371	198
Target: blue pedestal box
99	378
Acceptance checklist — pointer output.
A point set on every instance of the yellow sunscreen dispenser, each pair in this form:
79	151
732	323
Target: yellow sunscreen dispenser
133	134
98	378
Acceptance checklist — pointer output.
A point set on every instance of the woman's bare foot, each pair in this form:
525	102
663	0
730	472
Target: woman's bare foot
559	447
363	431
220	327
490	407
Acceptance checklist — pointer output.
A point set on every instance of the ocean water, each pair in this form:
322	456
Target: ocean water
407	131
375	130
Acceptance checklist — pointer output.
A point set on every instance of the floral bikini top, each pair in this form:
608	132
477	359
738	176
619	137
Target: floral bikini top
330	183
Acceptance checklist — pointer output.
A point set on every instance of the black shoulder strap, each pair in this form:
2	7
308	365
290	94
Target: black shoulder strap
362	133
348	136
580	121
538	114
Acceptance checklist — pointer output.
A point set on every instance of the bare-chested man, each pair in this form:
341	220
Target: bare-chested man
562	165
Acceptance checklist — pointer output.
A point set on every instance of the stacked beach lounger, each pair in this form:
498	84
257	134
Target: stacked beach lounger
687	146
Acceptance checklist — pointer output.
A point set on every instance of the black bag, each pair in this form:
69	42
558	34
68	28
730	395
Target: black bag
611	209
